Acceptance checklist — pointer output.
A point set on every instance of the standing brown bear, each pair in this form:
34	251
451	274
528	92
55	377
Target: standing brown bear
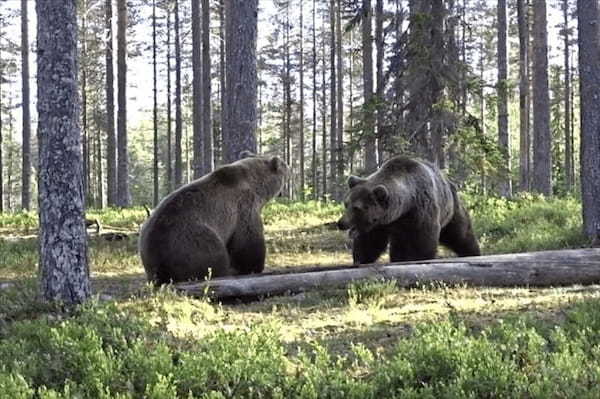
409	204
212	223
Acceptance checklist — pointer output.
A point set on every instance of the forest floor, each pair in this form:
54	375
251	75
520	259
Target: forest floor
357	327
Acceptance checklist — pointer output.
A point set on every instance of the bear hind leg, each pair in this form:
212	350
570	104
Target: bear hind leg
458	235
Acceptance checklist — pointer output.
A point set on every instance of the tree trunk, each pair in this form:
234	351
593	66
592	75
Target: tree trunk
535	269
154	109
111	137
436	84
505	186
367	55
207	128
589	86
333	178
178	115
567	100
340	103
1	136
64	272
542	139
379	73
324	118
26	117
222	76
524	138
241	79
170	177
314	160
123	196
301	187
197	106
84	117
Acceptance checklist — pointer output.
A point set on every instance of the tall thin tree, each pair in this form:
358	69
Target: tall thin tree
111	136
340	99
178	109
198	137
505	186
367	55
524	137
26	151
333	183
241	78
314	160
301	67
567	98
123	195
1	135
207	128
588	14
154	109
542	139
64	272
170	179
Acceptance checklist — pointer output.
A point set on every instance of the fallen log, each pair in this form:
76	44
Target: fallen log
535	269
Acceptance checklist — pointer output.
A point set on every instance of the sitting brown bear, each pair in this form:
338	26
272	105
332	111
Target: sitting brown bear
212	223
409	204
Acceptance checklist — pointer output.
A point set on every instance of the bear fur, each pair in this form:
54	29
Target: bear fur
409	205
212	223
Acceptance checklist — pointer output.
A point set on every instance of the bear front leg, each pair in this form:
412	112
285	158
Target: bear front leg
418	243
368	247
247	251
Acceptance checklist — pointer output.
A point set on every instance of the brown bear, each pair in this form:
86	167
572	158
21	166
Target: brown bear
213	223
409	204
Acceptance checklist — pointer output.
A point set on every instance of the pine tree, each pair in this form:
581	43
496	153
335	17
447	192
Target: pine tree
64	272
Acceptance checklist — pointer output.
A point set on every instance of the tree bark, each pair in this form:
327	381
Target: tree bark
534	269
567	100
505	186
26	157
241	78
64	272
178	110
1	136
123	195
333	178
314	160
379	73
588	14
222	77
542	139
302	185
524	137
207	128
170	177
368	122
197	106
154	109
111	137
340	102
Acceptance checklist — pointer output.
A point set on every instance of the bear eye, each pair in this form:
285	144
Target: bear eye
356	208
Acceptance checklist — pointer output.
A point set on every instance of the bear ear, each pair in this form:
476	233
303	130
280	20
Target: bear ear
246	154
381	194
354	180
276	164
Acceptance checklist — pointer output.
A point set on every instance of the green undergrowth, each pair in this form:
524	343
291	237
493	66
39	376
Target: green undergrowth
369	340
162	345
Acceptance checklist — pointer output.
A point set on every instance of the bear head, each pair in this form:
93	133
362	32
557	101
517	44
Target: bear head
265	174
366	206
